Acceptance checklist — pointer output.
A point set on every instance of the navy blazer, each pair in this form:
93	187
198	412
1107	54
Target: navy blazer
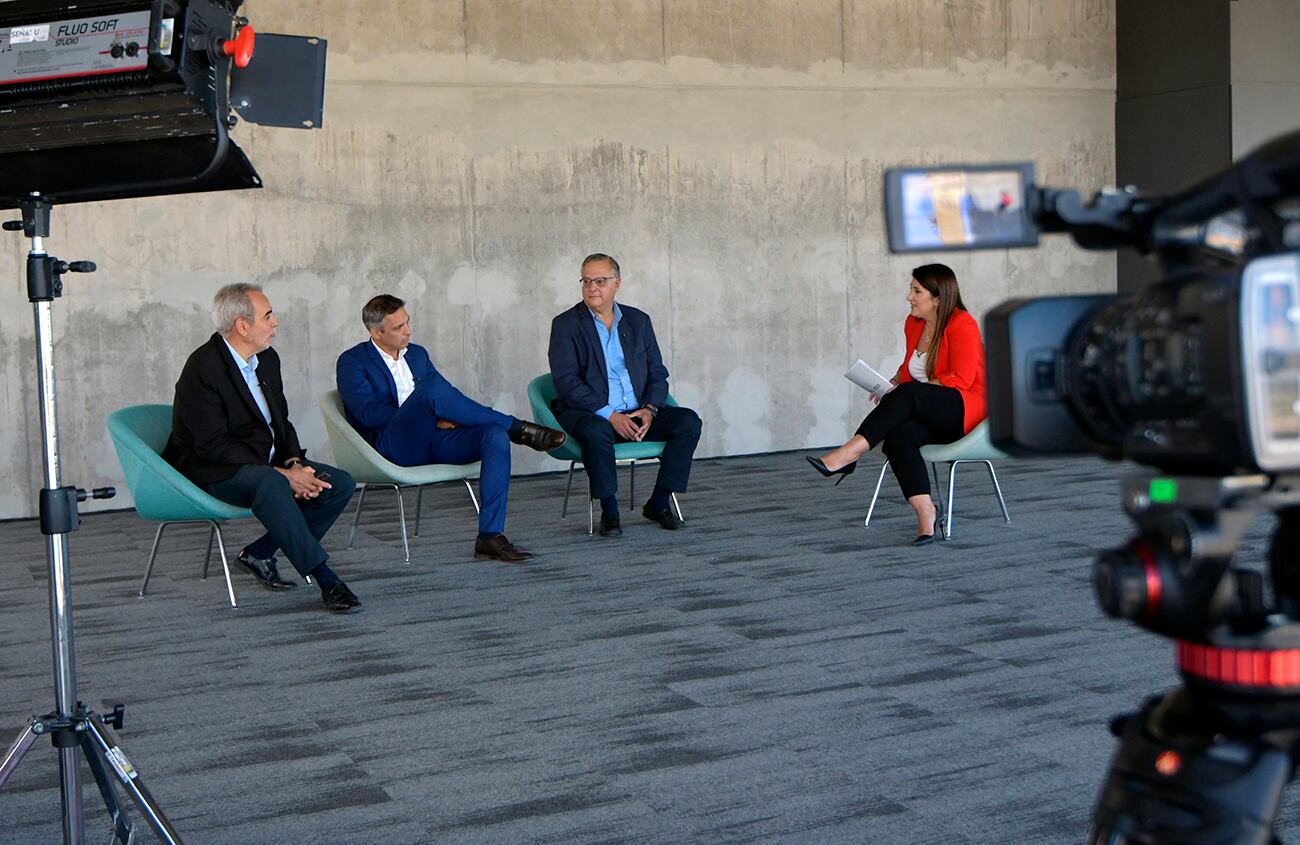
578	362
367	388
216	424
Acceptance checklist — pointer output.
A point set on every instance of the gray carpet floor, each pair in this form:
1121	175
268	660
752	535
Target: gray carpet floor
772	673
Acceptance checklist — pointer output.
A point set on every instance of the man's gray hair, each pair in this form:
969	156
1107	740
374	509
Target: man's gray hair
231	303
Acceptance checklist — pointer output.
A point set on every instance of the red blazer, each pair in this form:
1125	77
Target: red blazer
960	363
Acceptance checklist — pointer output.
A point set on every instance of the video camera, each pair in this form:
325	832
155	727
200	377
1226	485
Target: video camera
1198	377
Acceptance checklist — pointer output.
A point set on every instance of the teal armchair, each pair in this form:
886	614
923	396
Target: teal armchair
370	469
161	493
541	392
974	448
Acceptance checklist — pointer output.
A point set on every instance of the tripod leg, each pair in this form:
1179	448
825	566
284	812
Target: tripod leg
122	829
14	755
100	742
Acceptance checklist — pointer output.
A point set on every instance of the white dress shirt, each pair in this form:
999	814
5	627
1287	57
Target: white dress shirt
248	369
401	371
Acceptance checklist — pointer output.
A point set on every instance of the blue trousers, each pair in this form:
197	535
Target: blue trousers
296	525
413	438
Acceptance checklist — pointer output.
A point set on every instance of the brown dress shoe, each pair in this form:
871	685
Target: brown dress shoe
499	548
538	437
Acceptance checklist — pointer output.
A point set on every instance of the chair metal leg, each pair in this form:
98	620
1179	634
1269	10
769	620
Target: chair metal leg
472	497
419	502
564	509
208	557
401	515
361	500
952	499
631	487
939	507
866	523
225	564
678	506
153	555
997	488
591	515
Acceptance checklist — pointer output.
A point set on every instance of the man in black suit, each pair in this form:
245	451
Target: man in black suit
611	387
231	435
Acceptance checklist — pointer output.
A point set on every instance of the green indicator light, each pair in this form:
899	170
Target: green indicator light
1164	490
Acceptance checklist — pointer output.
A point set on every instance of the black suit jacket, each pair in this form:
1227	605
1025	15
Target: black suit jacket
216	424
578	362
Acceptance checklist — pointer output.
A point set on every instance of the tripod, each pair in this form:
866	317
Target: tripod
71	726
1206	763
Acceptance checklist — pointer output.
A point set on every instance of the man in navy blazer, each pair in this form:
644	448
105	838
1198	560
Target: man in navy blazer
612	386
394	396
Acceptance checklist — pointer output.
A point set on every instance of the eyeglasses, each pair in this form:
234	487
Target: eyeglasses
599	281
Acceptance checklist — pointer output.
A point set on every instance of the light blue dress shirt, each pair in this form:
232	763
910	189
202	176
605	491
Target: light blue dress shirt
249	371
621	395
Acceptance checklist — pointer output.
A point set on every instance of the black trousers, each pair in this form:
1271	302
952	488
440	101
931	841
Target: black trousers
677	428
296	525
910	416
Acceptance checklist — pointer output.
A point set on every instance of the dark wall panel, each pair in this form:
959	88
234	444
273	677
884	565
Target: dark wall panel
1173	110
1171	45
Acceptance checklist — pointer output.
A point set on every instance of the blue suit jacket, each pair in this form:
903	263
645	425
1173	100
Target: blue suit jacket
367	388
578	362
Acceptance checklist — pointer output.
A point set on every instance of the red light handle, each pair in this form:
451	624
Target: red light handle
241	47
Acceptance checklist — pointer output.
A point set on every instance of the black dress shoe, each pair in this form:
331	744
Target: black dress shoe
666	518
923	540
499	548
264	571
843	472
538	437
339	599
610	526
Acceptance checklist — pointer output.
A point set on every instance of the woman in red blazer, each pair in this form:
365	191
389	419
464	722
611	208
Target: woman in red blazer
939	397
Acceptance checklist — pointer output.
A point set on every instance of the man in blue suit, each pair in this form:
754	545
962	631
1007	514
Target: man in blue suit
402	405
611	387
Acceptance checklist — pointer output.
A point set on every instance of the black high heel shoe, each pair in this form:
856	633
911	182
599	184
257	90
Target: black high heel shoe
843	472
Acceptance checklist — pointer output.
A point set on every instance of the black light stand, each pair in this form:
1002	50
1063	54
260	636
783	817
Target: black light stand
71	725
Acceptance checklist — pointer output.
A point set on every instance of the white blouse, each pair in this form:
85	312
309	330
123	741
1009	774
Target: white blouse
916	367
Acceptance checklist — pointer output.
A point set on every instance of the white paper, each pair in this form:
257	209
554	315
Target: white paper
869	379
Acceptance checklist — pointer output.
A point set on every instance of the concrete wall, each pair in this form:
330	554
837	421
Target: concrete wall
729	153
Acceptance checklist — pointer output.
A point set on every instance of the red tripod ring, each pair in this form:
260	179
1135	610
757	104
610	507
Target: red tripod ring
1256	668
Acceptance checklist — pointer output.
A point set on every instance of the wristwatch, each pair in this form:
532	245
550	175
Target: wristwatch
654	412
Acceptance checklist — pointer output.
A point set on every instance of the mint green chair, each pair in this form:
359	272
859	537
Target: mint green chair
541	392
369	469
161	493
974	448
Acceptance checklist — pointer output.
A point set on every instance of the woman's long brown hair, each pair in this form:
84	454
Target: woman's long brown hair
941	282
